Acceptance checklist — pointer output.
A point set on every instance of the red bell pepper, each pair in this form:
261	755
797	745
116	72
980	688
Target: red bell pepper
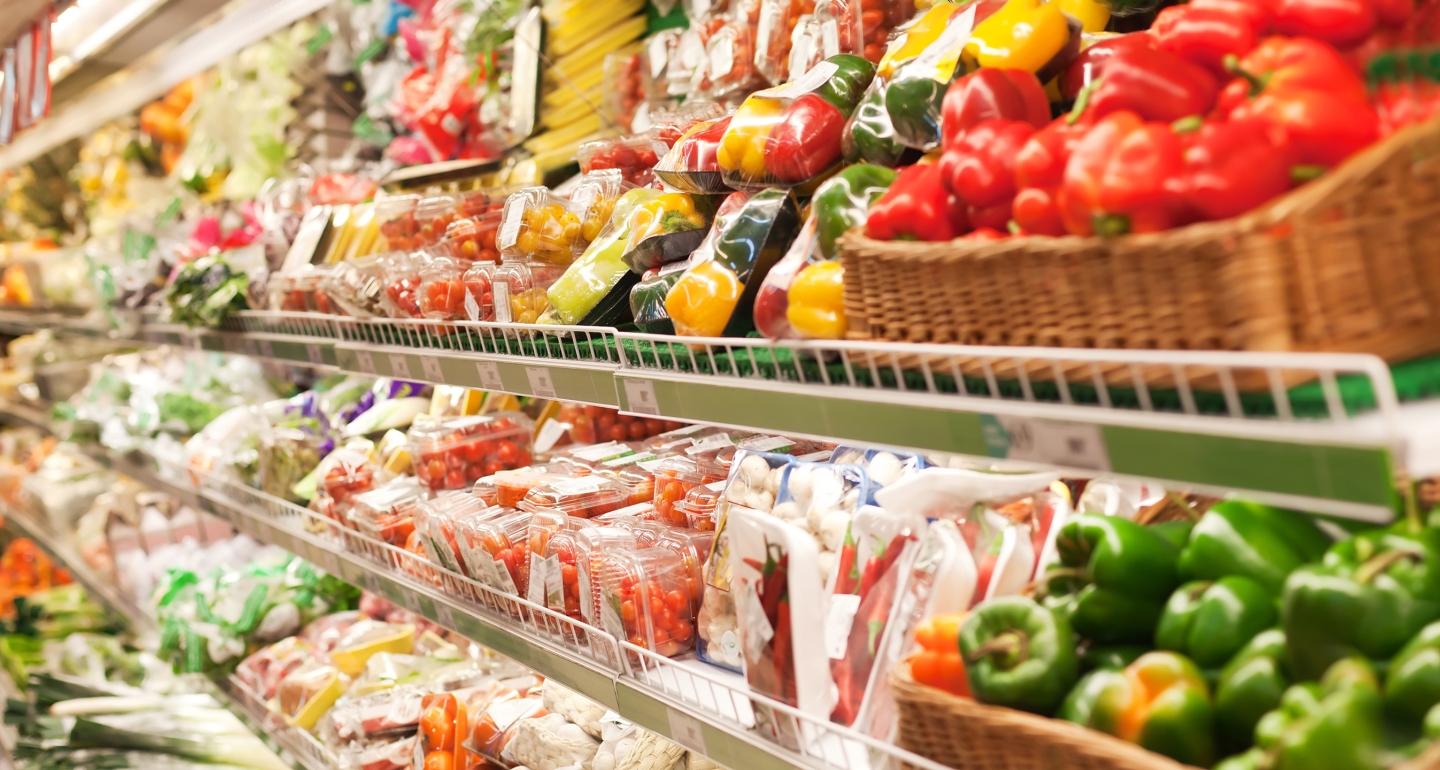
1130	73
698	150
1204	35
1039	172
806	140
1341	23
992	93
1234	166
1305	87
980	168
1125	176
917	207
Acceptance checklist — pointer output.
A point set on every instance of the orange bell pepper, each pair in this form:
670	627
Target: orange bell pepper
938	663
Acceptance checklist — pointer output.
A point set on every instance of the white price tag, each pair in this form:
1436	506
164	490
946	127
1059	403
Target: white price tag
540	383
640	397
489	372
371	581
686	731
265	348
658	56
550	433
399	366
444	615
1052	442
364	362
433	373
330	562
838	623
312	352
535	591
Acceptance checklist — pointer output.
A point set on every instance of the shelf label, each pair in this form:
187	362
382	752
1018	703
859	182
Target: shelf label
431	366
445	616
312	352
1051	442
365	362
371	581
265	348
540	383
490	375
327	560
640	397
399	366
686	730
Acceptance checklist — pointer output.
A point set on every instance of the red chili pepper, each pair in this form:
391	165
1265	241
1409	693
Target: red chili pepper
806	140
1236	165
1130	73
980	168
1305	87
1204	36
917	207
781	651
1341	23
987	94
846	576
1039	172
1124	177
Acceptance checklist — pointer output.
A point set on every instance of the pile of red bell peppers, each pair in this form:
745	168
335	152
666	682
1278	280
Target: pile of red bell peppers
1219	107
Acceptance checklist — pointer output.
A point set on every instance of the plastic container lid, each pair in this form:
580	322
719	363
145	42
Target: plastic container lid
583	497
646	602
493	548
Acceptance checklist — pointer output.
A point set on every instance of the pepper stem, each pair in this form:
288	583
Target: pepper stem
1040	587
1257	82
1373	567
1013	646
1187	124
1082	101
1111	225
1307	172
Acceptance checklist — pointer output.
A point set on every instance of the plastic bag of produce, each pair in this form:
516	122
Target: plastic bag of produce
550	742
647	299
596	286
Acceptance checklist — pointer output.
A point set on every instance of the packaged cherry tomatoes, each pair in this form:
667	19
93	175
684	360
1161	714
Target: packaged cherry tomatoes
453	453
494	548
635	156
539	569
386	513
539	225
693	548
790	134
442	290
512	486
433	216
562	591
437	519
396	221
592	545
473	239
674	478
778	19
584	497
520	290
442	723
401	272
644	600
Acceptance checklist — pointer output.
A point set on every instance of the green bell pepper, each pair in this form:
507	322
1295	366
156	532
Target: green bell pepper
913	102
1159	702
1370	595
843	201
1412	686
1210	622
1250	685
1115	657
1018	654
1112	580
845	88
1333	725
1256	541
869	136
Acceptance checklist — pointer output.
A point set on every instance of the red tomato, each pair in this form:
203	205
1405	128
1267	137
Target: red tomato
454	479
619	432
492	467
473	452
677	601
569	575
506	452
636	430
436	469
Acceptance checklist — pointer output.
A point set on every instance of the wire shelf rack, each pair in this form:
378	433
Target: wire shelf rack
307	751
571	344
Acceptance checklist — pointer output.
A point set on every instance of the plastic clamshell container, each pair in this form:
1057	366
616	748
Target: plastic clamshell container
396	217
693	548
453	453
674	478
540	225
700	504
644	600
494	548
385	513
512	486
442	292
583	497
357	288
537	572
520	289
436	519
592	547
433	216
562	590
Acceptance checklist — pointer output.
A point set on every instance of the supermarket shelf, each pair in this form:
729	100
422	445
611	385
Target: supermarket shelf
1319	432
295	746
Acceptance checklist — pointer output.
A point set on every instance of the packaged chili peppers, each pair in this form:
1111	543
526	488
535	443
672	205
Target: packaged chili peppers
716	294
691	165
775	570
790	134
454	453
645	601
667	228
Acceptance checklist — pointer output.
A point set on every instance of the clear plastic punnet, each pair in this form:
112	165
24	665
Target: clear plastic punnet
386	513
583	497
592	546
520	290
437	520
396	218
644	600
453	453
442	290
542	226
494	549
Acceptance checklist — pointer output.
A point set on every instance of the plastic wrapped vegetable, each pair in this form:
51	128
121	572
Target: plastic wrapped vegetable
691	164
914	95
633	156
600	279
667	228
790	134
715	295
647	299
869	135
207	289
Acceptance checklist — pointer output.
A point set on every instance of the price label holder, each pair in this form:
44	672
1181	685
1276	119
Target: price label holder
686	730
1051	442
399	366
365	362
540	382
640	397
431	367
445	616
313	353
489	372
371	582
264	348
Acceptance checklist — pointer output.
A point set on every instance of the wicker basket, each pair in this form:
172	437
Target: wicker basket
1350	262
969	735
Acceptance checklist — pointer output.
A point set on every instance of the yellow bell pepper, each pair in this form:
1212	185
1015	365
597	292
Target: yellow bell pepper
817	301
702	301
1023	34
919	36
742	149
1092	14
667	213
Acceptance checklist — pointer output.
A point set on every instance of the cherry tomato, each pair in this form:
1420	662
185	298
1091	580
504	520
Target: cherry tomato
507	453
627	611
454	479
677	601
